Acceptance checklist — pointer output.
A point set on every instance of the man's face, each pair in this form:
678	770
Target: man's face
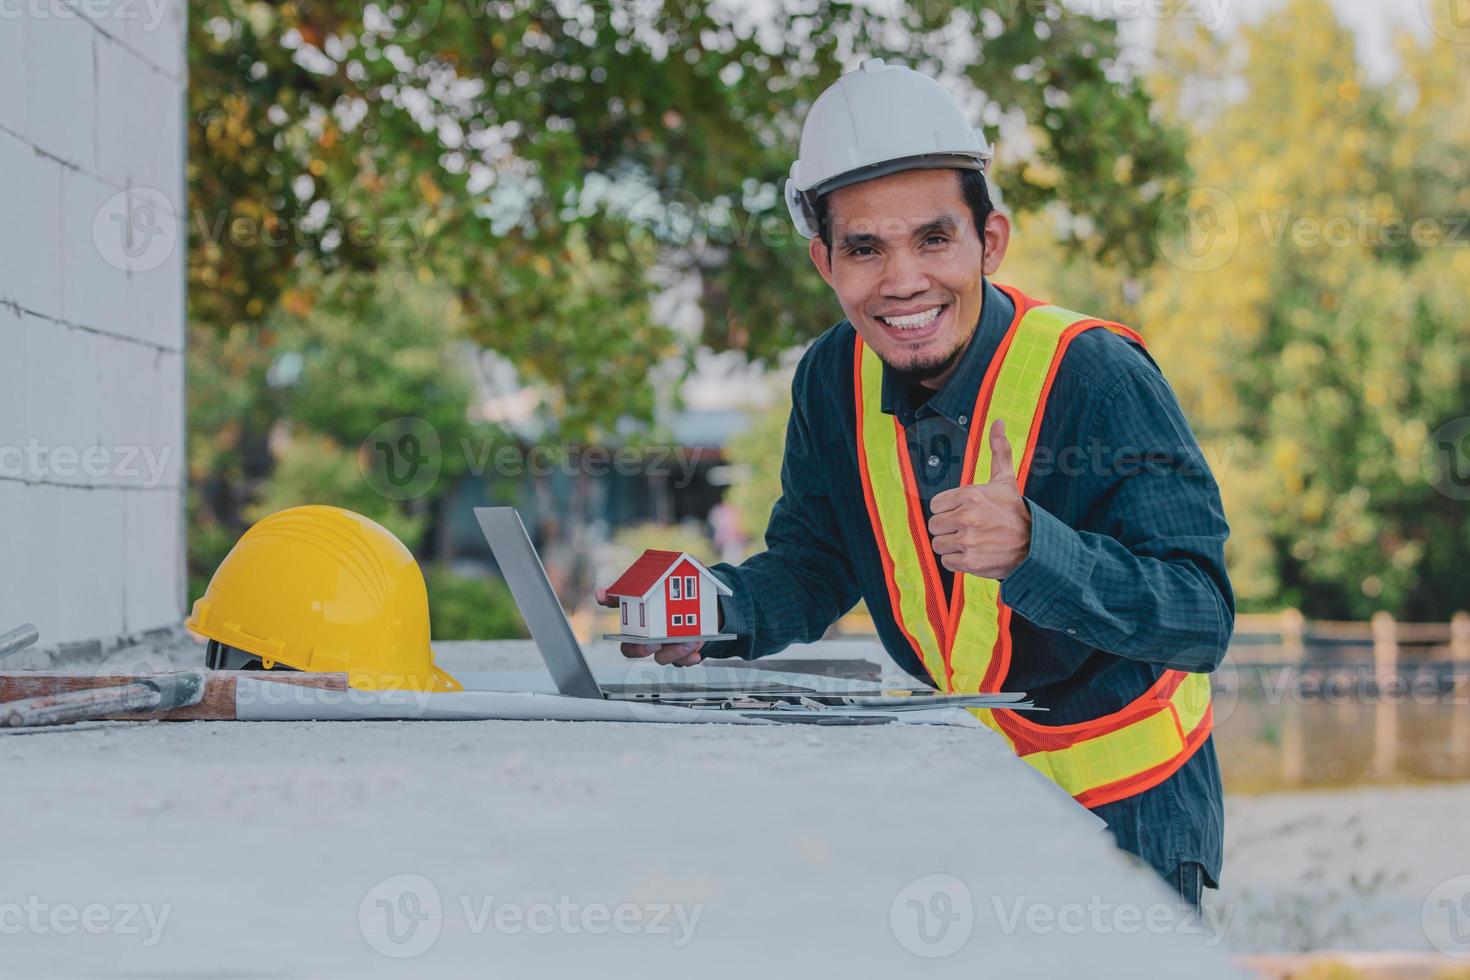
906	263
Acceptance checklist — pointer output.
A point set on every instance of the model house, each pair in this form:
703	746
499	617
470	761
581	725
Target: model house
668	593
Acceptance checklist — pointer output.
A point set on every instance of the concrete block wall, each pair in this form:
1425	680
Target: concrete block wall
92	249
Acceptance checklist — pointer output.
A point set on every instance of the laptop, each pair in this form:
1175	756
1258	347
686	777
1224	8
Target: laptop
544	616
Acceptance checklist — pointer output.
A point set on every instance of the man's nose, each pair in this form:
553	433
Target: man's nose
903	275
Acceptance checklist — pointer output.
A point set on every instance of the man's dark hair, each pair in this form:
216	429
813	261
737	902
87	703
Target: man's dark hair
972	186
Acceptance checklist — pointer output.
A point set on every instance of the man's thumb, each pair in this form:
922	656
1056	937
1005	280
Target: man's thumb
1002	466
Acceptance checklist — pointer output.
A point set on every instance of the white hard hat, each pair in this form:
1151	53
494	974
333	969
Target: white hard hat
876	121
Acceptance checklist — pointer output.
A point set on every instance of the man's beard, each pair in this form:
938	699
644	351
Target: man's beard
921	371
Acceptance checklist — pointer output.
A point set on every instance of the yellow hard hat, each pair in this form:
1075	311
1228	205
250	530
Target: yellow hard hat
324	589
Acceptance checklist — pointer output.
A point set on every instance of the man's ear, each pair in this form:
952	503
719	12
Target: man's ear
997	239
821	257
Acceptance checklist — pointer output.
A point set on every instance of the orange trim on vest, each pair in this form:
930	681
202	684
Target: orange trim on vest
873	518
934	593
1149	778
1022	303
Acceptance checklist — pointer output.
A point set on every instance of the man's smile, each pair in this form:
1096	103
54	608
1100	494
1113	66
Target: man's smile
915	326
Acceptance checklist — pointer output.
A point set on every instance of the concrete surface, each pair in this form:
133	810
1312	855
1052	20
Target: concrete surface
524	849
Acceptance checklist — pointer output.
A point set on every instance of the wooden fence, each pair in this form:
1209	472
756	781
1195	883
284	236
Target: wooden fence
1288	637
1388	656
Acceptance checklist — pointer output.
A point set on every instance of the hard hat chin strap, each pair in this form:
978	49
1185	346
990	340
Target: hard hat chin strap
220	656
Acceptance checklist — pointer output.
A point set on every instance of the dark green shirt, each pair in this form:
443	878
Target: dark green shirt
1124	579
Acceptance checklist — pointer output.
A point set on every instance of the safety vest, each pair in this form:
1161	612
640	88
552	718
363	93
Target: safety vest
964	640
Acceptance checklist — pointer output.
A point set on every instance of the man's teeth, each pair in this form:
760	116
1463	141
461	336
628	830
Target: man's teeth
914	320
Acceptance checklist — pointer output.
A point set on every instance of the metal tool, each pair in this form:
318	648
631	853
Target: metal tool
155	693
18	639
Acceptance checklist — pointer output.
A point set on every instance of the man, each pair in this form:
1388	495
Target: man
1011	487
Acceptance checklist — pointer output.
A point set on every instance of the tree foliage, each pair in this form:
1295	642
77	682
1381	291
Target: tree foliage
550	168
1312	316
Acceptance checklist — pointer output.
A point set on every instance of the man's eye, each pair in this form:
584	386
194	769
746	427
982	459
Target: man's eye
860	249
935	238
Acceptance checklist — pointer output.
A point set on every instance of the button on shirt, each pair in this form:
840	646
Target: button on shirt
1125	576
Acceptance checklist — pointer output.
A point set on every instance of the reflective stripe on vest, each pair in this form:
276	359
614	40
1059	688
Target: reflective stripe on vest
964	639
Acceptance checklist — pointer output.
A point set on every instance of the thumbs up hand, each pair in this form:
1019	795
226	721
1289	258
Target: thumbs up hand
983	529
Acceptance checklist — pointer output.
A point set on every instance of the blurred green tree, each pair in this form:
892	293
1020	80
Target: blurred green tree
753	455
468	608
1311	312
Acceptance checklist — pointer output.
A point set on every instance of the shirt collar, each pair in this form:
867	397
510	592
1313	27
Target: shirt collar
957	397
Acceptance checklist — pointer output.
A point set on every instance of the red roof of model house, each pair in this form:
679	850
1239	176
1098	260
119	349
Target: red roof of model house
651	568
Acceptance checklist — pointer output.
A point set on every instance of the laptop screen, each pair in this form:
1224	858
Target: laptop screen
538	603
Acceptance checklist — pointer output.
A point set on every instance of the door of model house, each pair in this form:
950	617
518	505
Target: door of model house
681	593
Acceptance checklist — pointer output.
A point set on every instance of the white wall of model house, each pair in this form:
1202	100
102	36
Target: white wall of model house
92	102
648	615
